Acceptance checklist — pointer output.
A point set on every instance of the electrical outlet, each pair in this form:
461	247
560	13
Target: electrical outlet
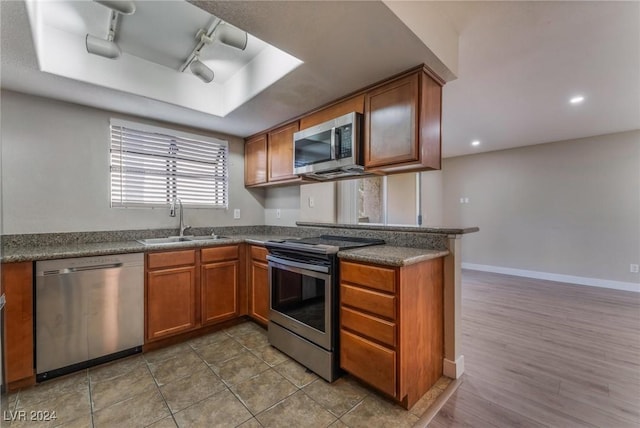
278	213
633	268
466	200
236	213
462	200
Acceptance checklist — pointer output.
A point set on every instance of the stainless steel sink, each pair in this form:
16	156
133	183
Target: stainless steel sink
174	239
206	238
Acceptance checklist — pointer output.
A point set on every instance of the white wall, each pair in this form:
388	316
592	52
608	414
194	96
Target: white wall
55	173
286	202
323	198
567	208
431	198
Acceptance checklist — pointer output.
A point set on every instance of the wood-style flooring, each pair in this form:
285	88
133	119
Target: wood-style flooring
540	353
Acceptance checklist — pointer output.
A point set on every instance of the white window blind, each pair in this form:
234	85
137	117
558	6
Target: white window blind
151	166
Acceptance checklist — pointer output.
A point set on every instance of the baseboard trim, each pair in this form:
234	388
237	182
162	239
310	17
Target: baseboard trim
579	280
453	369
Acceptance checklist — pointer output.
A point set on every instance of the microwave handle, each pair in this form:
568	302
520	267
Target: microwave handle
333	143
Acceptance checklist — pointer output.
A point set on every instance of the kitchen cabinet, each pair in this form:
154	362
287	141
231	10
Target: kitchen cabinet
352	104
280	153
258	284
268	158
17	283
171	291
255	160
189	289
391	326
219	284
402	124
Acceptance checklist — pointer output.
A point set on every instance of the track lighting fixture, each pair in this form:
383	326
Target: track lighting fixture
217	30
105	48
231	36
109	48
202	71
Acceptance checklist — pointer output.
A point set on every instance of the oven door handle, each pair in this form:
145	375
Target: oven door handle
276	261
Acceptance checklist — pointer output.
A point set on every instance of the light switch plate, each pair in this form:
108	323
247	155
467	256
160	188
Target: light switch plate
236	213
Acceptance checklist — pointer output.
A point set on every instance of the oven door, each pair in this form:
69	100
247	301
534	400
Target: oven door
300	299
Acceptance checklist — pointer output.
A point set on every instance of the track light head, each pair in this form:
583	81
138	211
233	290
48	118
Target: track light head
125	7
198	68
231	36
105	48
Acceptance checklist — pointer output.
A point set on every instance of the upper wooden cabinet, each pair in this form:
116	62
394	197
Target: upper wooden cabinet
402	124
280	153
338	109
255	161
401	130
268	157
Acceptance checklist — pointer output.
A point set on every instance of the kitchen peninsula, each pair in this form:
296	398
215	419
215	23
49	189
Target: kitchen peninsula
405	247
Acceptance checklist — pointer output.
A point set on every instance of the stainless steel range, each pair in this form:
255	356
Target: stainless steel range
303	282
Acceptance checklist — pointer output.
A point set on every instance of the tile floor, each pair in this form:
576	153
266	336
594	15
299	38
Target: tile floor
230	378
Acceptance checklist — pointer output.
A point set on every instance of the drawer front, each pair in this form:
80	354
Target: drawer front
369	301
377	277
216	254
170	259
368	361
259	253
370	326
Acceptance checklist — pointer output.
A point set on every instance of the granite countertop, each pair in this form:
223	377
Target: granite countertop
390	255
32	253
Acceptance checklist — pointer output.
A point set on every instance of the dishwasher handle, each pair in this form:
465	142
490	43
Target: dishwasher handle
82	269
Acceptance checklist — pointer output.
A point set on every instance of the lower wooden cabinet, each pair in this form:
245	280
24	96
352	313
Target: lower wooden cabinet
391	326
17	284
219	282
258	284
171	296
190	289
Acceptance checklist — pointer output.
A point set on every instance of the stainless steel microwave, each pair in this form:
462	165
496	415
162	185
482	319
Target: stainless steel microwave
330	150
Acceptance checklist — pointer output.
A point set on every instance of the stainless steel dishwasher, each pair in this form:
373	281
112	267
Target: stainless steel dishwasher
89	310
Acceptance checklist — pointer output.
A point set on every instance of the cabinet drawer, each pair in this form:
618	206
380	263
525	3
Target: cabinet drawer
370	326
368	300
217	254
259	253
368	361
171	258
376	277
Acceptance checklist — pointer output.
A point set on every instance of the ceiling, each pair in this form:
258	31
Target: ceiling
518	65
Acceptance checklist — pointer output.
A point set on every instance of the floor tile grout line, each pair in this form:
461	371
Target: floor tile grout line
90	398
164	400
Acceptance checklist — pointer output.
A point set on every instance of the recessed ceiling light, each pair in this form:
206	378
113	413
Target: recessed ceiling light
577	99
475	143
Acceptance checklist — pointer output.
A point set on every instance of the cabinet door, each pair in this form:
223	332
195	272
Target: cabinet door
171	301
259	292
219	285
255	161
17	282
392	123
280	153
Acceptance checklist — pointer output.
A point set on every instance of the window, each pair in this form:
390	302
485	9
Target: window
151	166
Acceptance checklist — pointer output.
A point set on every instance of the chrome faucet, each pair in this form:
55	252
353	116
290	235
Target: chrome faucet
172	213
